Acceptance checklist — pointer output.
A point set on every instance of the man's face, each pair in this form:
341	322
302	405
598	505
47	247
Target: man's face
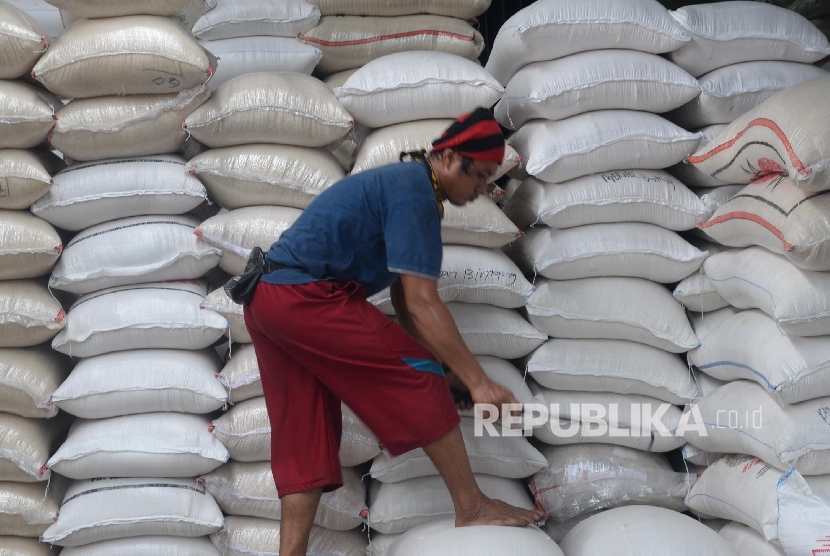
460	187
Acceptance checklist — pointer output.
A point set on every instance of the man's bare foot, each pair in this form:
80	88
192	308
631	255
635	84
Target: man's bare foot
496	512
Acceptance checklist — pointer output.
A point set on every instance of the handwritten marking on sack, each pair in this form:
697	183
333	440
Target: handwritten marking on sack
5	191
478	275
613	177
172	81
824	413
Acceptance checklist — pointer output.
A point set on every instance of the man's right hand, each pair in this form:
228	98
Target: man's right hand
489	392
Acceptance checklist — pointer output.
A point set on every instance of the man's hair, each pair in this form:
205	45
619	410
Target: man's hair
466	161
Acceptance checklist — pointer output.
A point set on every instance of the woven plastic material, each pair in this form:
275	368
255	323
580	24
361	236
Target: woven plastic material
25	176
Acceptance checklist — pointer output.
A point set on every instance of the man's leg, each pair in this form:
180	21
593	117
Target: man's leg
391	382
295	524
471	506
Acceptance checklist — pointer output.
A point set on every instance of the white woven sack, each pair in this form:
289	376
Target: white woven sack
121	126
620	249
733	32
776	137
142	381
611	308
46	15
650	196
27	379
22	41
248	18
89	193
473	275
25	176
240	375
495	331
553	29
409	86
734	90
247	489
103	8
28	509
143	445
644	531
442	537
595	142
103	509
703	323
270	107
146	546
21	546
243	536
595	80
462	9
612	366
138	54
26	114
252	54
351	42
754	278
778	216
238	231
385	145
690	175
157	315
698	294
29	246
507	457
752	421
399	507
29	315
25	445
575	418
747	542
746	490
219	301
479	223
589	477
713	198
749	346
133	250
246	431
379	543
264	174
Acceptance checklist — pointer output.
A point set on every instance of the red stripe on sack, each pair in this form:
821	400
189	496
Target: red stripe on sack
754	123
752	218
384	38
60	316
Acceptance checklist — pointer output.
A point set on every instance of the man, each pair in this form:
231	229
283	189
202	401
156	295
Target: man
318	341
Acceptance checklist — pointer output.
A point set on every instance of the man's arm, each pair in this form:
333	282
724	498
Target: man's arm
436	329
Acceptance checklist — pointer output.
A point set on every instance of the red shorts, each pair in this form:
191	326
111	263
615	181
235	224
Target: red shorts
322	342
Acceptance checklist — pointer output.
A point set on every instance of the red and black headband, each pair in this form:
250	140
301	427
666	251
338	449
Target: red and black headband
476	135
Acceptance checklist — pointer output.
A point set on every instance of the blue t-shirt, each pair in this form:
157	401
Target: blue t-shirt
367	228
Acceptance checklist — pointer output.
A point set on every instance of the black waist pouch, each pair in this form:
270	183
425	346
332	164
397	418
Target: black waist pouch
241	288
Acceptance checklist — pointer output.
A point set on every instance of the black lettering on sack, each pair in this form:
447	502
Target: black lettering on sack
473	275
447	274
824	413
4	188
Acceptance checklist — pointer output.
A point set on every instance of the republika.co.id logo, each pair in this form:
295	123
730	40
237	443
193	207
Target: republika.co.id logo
598	420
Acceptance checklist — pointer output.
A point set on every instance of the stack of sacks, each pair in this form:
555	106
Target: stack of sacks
145	378
743	53
776	511
267	130
46	15
352	33
776	354
244	487
186	12
258	35
583	479
30	494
